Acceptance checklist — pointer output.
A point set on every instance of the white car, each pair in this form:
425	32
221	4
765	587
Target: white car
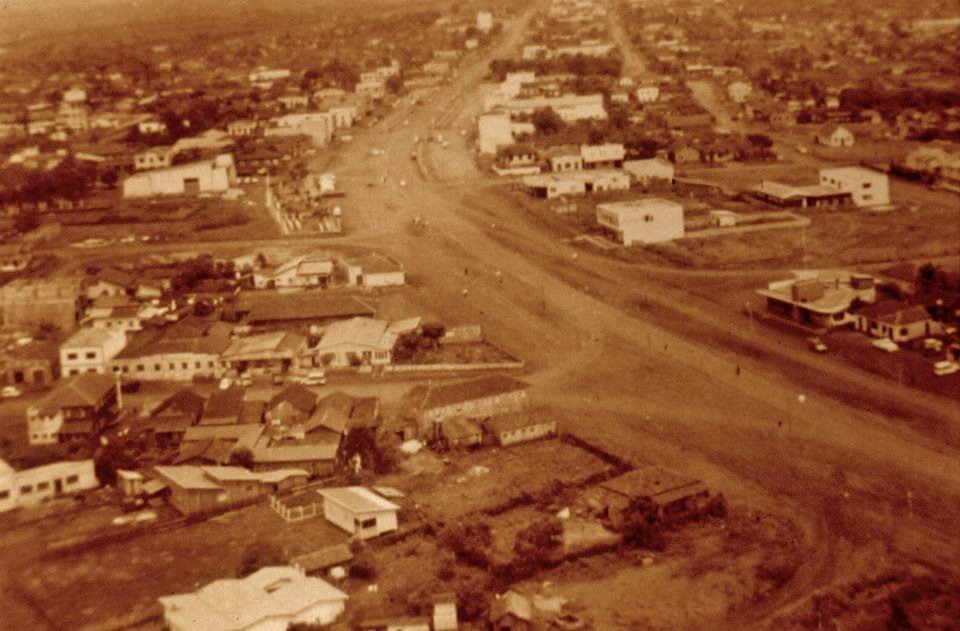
10	392
225	383
885	344
945	367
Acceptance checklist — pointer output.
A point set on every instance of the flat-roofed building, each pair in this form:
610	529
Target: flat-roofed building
649	220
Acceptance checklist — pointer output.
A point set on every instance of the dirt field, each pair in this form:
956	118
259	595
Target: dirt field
450	487
136	572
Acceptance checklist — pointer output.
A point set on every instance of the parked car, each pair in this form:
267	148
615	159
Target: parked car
10	392
312	378
816	345
885	344
225	383
945	367
277	380
245	379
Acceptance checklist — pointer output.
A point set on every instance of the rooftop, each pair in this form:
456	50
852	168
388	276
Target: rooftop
357	499
234	604
277	307
359	331
90	338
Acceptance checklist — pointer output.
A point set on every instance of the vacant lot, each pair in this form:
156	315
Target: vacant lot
135	572
708	571
458	484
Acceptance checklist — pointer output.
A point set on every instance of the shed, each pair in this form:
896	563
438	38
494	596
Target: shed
359	511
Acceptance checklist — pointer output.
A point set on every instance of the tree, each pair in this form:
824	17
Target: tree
432	332
259	554
547	121
111	457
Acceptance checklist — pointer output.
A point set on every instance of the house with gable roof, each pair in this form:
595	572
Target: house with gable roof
270	598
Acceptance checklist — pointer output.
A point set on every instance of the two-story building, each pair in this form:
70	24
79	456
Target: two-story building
90	350
75	409
650	220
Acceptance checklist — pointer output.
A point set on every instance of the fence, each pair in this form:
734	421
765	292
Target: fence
295	513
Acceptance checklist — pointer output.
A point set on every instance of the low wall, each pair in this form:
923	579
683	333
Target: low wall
407	368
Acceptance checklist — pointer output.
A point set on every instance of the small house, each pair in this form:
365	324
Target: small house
359	511
834	135
519	427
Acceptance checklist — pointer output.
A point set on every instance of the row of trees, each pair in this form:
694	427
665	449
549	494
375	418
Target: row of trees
580	65
68	180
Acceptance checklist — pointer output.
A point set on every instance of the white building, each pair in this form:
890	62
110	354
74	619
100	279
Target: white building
650	220
89	350
609	154
484	21
209	176
644	171
738	91
833	135
361	341
866	186
32	486
570	107
493	130
359	511
270	599
374	270
647	93
267	74
374	89
301	271
318	125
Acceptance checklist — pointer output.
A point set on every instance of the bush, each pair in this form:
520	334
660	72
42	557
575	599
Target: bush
260	554
469	543
363	570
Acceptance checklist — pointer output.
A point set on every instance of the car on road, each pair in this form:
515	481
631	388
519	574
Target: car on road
885	344
10	392
816	345
945	367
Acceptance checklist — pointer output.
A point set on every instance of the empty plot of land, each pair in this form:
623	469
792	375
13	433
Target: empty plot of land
489	477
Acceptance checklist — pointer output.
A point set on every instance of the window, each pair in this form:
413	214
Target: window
368	523
71	355
90	355
157	367
185	365
43	486
4	494
172	366
140	367
867	184
198	365
867	198
903	331
73	479
648	218
26	489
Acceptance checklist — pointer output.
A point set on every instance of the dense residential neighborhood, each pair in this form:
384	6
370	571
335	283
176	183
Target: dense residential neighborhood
570	314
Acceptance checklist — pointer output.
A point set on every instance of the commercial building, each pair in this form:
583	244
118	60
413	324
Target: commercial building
374	270
359	511
180	352
272	598
650	220
866	186
808	196
821	299
32	486
209	176
360	341
31	303
90	350
647	171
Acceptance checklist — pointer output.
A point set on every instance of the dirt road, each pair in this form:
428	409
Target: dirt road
667	389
